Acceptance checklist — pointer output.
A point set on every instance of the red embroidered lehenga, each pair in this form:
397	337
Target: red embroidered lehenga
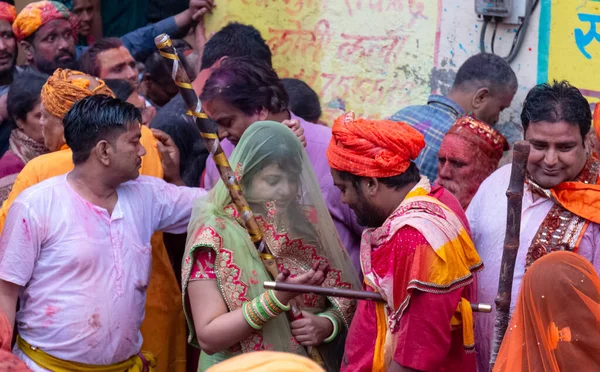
298	232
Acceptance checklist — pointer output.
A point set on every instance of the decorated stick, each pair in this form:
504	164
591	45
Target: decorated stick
514	195
346	293
211	141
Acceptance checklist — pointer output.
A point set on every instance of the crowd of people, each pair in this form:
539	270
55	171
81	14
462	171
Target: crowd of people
122	248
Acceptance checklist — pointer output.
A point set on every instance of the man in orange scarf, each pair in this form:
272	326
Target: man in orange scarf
561	199
163	328
416	252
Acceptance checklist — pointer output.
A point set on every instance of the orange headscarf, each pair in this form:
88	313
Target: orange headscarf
7	12
267	361
372	148
36	15
65	87
556	322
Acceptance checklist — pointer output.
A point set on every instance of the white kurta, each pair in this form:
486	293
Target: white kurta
487	218
84	272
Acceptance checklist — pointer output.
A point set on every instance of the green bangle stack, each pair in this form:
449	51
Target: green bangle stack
262	309
336	326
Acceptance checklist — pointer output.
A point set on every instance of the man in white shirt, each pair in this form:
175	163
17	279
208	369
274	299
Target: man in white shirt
560	201
76	248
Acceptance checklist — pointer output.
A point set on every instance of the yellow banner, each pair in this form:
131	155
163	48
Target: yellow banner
573	44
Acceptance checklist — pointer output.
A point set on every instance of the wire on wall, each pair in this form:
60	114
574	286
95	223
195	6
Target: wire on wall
519	37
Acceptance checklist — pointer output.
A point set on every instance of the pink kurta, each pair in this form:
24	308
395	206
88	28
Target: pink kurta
84	272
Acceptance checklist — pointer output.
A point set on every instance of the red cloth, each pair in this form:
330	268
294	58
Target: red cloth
372	148
10	164
425	341
8	12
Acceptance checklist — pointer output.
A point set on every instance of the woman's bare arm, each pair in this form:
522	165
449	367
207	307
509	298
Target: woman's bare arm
216	327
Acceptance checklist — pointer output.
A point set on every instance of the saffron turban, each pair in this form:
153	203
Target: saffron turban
65	87
7	12
491	142
267	361
37	14
373	148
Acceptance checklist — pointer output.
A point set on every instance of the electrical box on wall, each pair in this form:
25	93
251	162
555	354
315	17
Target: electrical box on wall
512	12
493	8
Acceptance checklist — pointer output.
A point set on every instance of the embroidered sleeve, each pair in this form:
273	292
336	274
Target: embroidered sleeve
203	267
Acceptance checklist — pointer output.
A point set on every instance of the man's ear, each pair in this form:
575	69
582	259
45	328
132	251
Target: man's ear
27	49
102	150
370	186
479	98
263	114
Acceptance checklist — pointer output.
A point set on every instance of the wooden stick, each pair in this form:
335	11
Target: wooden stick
346	293
211	141
514	195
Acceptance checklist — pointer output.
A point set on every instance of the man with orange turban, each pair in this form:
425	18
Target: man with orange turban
8	47
46	35
416	252
470	152
163	328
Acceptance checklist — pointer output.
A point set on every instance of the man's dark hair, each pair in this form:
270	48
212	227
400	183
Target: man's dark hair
24	94
395	182
156	67
248	85
235	40
486	70
97	118
121	88
304	101
556	102
88	62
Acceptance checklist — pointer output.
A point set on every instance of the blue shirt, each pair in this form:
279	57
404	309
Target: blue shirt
433	121
140	42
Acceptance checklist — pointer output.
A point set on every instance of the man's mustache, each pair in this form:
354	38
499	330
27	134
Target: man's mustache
65	54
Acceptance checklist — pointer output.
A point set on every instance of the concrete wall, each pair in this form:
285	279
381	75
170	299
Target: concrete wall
377	56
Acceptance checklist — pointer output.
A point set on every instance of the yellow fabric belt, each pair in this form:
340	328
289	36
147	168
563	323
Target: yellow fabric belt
142	362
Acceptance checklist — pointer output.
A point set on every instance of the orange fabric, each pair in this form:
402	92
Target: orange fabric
65	87
7	12
372	148
556	321
36	15
580	198
8	362
163	328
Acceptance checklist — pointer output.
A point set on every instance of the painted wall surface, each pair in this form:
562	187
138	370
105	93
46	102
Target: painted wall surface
378	56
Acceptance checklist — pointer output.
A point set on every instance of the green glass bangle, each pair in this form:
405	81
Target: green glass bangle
336	327
277	302
247	317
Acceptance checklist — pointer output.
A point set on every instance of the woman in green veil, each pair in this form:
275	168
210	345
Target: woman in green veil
227	309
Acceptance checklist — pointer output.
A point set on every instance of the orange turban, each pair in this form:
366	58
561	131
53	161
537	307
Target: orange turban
267	361
37	14
373	148
65	87
7	13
